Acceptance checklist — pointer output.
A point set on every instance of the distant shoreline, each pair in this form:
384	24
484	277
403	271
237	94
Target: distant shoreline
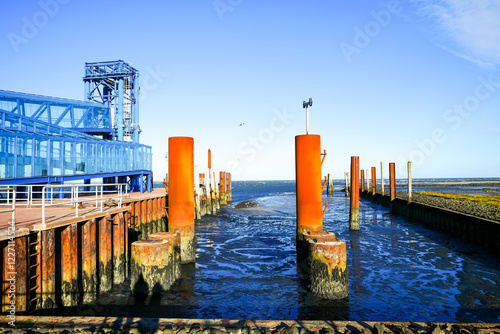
460	184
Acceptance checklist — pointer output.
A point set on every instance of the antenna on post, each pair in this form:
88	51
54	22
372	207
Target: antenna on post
307	105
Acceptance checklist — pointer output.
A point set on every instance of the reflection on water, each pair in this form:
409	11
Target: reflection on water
246	268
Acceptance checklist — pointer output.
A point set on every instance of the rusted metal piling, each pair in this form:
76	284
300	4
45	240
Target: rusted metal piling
181	193
354	209
308	184
392	180
89	261
69	265
105	254
229	196
48	266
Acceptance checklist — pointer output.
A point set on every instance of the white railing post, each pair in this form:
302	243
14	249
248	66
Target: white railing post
43	205
102	188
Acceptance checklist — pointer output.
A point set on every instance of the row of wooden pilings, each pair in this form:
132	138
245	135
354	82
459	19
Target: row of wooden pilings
357	185
479	230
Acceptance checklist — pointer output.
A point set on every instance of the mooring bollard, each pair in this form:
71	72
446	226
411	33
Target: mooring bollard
374	181
362	180
392	180
354	212
308	183
174	252
328	272
181	196
303	248
382	177
149	267
409	182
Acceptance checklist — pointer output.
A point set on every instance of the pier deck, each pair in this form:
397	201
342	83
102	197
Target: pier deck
29	217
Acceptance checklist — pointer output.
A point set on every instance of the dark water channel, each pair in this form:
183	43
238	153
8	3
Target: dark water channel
246	269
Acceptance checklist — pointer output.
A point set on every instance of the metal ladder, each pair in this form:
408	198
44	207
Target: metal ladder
34	272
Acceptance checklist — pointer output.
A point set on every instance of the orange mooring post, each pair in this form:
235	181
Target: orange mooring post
374	181
392	180
209	159
354	213
308	184
181	196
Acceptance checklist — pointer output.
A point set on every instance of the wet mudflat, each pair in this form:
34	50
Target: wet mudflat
246	268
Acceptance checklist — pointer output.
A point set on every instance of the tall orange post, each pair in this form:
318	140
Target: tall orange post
308	183
392	180
354	213
209	159
374	181
181	196
363	180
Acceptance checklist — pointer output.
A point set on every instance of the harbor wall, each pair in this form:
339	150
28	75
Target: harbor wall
68	263
482	231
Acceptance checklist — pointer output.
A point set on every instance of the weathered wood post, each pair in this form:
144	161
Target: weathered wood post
409	182
382	177
346	184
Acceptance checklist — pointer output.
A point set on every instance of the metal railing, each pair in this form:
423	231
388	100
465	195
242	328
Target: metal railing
10	200
99	196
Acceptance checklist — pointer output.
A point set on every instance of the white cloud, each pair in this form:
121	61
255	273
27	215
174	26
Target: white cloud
467	28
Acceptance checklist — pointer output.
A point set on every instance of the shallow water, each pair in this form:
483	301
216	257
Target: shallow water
246	269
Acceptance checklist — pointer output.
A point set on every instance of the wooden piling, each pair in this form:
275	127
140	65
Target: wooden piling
346	184
362	180
409	182
382	177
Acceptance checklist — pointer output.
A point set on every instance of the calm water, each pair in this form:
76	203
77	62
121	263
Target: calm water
246	268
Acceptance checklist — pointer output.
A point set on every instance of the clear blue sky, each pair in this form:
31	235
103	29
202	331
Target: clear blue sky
391	81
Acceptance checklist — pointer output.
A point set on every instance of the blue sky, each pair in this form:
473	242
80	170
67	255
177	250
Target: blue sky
391	81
